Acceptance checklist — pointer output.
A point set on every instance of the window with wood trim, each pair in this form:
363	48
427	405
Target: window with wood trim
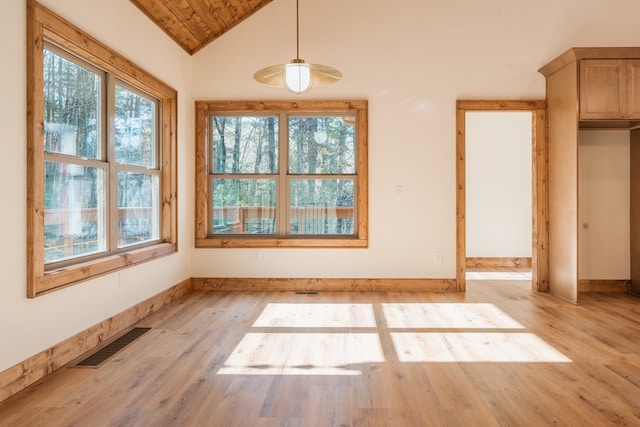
281	174
101	158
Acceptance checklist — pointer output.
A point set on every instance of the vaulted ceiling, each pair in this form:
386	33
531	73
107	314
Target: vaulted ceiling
195	23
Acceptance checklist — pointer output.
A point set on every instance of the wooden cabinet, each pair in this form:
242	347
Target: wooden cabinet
586	88
609	89
634	238
633	88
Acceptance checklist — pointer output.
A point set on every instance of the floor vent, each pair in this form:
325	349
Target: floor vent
307	292
101	356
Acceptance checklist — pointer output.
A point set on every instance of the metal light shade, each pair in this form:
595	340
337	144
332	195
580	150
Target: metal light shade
297	76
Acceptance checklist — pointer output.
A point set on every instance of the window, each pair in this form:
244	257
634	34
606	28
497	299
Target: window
101	167
279	173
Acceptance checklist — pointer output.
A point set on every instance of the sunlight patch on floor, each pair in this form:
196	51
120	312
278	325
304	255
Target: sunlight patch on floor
303	354
447	315
317	316
420	332
474	347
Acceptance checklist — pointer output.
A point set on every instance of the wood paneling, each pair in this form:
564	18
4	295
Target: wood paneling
195	23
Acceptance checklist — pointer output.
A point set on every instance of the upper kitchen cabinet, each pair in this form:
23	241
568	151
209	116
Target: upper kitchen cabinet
607	80
609	89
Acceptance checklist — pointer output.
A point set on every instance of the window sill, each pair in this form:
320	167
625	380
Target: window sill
57	279
252	242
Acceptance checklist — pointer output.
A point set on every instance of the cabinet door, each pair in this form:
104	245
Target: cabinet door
603	89
633	88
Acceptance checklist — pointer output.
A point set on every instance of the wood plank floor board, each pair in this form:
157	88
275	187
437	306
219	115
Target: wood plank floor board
516	401
627	369
384	388
609	337
206	362
279	422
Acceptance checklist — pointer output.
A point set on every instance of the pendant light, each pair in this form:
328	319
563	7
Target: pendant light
297	76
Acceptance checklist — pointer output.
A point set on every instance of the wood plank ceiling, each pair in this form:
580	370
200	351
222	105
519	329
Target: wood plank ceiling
195	23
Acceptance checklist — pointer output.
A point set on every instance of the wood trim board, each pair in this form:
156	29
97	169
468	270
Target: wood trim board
328	285
498	262
589	285
35	368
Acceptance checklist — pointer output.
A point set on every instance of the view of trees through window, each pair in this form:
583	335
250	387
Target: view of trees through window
297	179
79	162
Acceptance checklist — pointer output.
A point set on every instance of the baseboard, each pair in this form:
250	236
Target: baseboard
356	285
44	363
490	262
588	285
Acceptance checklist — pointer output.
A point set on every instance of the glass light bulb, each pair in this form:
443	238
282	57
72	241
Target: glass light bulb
297	77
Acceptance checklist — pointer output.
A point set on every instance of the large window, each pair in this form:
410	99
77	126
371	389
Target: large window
101	166
282	173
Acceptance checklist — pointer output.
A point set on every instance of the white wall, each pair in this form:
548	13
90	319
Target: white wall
603	209
498	183
28	326
411	59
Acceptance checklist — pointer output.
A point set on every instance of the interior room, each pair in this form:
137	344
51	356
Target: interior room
474	267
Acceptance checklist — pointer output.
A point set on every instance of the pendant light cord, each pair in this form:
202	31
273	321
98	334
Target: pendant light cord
297	32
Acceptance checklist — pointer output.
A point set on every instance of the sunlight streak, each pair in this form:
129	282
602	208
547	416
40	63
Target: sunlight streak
303	354
474	347
317	316
447	315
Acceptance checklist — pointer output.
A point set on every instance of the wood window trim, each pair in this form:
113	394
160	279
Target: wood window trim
43	24
204	108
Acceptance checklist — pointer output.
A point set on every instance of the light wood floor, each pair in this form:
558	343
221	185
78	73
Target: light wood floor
498	355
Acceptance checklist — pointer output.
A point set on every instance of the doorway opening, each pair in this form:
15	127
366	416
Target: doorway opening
467	119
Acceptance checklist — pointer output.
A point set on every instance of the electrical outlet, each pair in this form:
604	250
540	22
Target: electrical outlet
437	257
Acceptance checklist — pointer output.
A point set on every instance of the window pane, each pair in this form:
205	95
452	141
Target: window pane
322	206
71	108
244	144
135	129
244	206
74	211
138	208
322	145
